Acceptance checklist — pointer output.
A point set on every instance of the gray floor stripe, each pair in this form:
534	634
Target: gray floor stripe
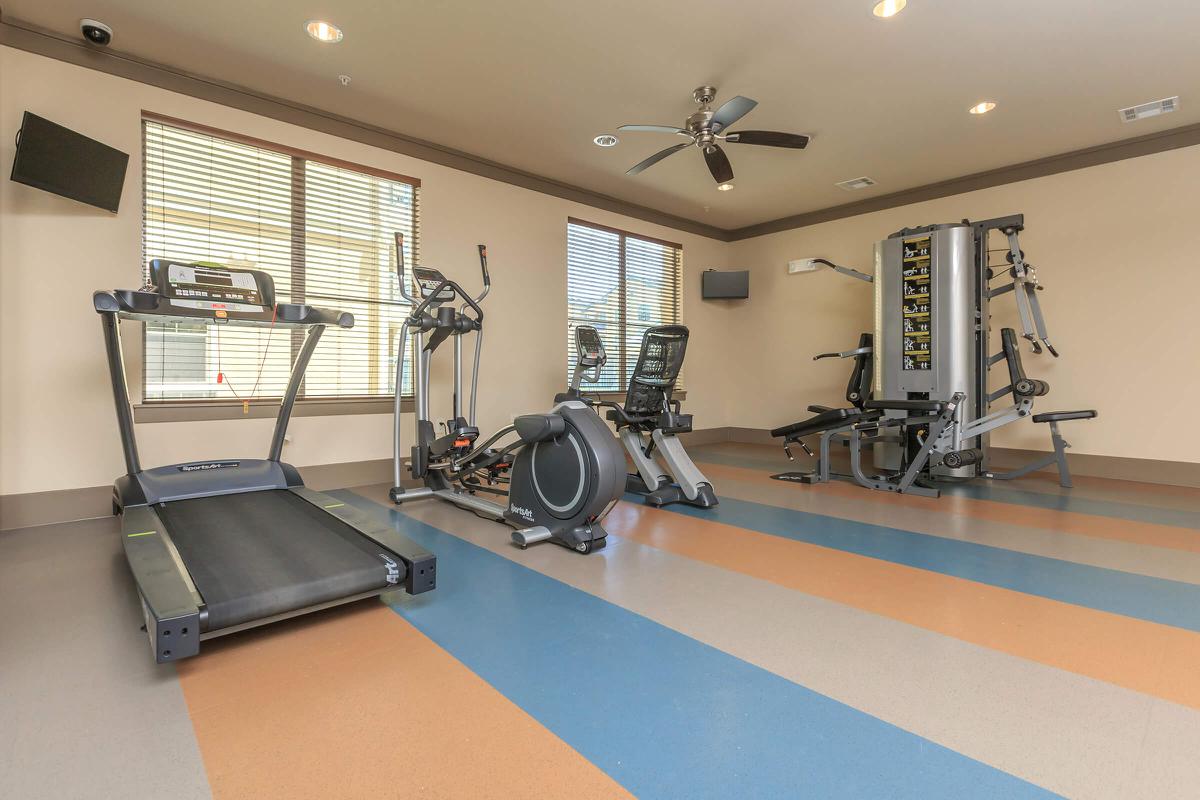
1156	562
84	711
1071	734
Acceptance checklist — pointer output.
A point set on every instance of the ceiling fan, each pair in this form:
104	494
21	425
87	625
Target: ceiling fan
706	127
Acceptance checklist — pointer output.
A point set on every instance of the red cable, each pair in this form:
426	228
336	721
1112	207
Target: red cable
261	365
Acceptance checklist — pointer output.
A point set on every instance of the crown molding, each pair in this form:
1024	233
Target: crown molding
32	39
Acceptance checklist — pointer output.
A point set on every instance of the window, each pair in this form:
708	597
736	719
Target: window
622	284
323	229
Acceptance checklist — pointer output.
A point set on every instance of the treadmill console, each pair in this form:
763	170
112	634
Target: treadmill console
211	286
428	280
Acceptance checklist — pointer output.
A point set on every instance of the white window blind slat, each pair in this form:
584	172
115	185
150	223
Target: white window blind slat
323	232
623	284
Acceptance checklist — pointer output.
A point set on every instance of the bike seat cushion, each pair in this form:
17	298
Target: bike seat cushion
539	427
1063	416
832	418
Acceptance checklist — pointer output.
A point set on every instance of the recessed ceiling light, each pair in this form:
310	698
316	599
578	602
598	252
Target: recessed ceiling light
888	8
982	108
323	31
606	140
724	187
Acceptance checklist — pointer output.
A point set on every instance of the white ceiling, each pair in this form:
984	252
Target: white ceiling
528	83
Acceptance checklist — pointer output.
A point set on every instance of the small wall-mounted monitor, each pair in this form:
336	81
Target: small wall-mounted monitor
725	284
63	162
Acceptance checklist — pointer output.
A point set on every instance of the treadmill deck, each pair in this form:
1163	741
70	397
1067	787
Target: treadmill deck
257	554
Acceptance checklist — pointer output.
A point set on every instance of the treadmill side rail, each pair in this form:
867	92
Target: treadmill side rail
170	603
420	565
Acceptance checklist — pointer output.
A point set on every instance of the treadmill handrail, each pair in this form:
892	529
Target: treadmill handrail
152	306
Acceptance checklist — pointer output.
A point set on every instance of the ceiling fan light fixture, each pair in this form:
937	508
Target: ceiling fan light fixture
606	140
323	31
888	8
981	108
724	187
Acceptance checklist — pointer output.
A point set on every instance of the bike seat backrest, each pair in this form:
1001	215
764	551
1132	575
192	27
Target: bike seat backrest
657	370
859	387
1022	385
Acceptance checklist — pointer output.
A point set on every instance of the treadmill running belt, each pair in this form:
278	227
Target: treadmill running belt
256	554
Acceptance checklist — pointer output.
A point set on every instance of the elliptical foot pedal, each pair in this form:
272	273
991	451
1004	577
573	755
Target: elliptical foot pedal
527	536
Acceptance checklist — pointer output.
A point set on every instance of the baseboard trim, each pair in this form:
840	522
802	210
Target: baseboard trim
1144	470
70	505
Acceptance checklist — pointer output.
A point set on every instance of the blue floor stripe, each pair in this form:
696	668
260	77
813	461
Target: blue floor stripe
663	714
1167	602
1000	493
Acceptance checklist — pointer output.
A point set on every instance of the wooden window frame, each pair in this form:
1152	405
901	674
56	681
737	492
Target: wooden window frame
622	293
199	409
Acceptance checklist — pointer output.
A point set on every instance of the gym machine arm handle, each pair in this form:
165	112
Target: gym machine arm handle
847	271
858	351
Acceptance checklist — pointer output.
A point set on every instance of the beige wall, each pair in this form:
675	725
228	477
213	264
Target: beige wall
57	428
1118	249
1116	245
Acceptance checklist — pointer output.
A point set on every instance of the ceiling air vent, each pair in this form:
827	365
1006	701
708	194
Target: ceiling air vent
1149	109
855	183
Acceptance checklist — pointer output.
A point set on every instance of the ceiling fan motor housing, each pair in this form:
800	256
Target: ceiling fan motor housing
700	125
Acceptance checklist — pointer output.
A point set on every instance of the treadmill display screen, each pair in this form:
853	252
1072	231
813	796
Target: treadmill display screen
210	287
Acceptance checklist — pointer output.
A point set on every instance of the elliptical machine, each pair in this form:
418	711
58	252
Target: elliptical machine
561	473
650	420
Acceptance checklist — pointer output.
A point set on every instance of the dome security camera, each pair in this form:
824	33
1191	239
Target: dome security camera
96	32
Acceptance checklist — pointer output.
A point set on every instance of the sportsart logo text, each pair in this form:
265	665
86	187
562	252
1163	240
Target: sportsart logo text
523	513
209	465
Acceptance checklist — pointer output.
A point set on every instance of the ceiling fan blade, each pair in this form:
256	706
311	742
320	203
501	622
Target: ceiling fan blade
657	157
654	129
731	112
769	138
718	164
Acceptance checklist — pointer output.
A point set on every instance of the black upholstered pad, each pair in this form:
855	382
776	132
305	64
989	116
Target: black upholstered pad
832	418
1062	416
932	406
257	554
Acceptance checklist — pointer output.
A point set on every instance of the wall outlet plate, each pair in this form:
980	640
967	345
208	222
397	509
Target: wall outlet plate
802	265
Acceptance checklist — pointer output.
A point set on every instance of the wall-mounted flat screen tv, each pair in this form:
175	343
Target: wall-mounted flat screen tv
725	284
63	162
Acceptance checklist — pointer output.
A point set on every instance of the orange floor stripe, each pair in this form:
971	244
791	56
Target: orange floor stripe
357	703
1123	530
1144	656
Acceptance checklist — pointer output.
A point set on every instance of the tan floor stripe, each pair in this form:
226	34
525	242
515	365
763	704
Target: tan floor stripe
358	703
1155	659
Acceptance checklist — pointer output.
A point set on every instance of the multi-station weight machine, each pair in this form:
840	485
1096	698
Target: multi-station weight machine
919	393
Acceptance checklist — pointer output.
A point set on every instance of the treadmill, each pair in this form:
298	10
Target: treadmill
219	546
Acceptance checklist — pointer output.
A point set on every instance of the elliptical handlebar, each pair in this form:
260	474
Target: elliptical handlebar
473	303
400	267
487	279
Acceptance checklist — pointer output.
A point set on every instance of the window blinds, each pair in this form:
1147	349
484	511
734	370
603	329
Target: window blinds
322	229
622	284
